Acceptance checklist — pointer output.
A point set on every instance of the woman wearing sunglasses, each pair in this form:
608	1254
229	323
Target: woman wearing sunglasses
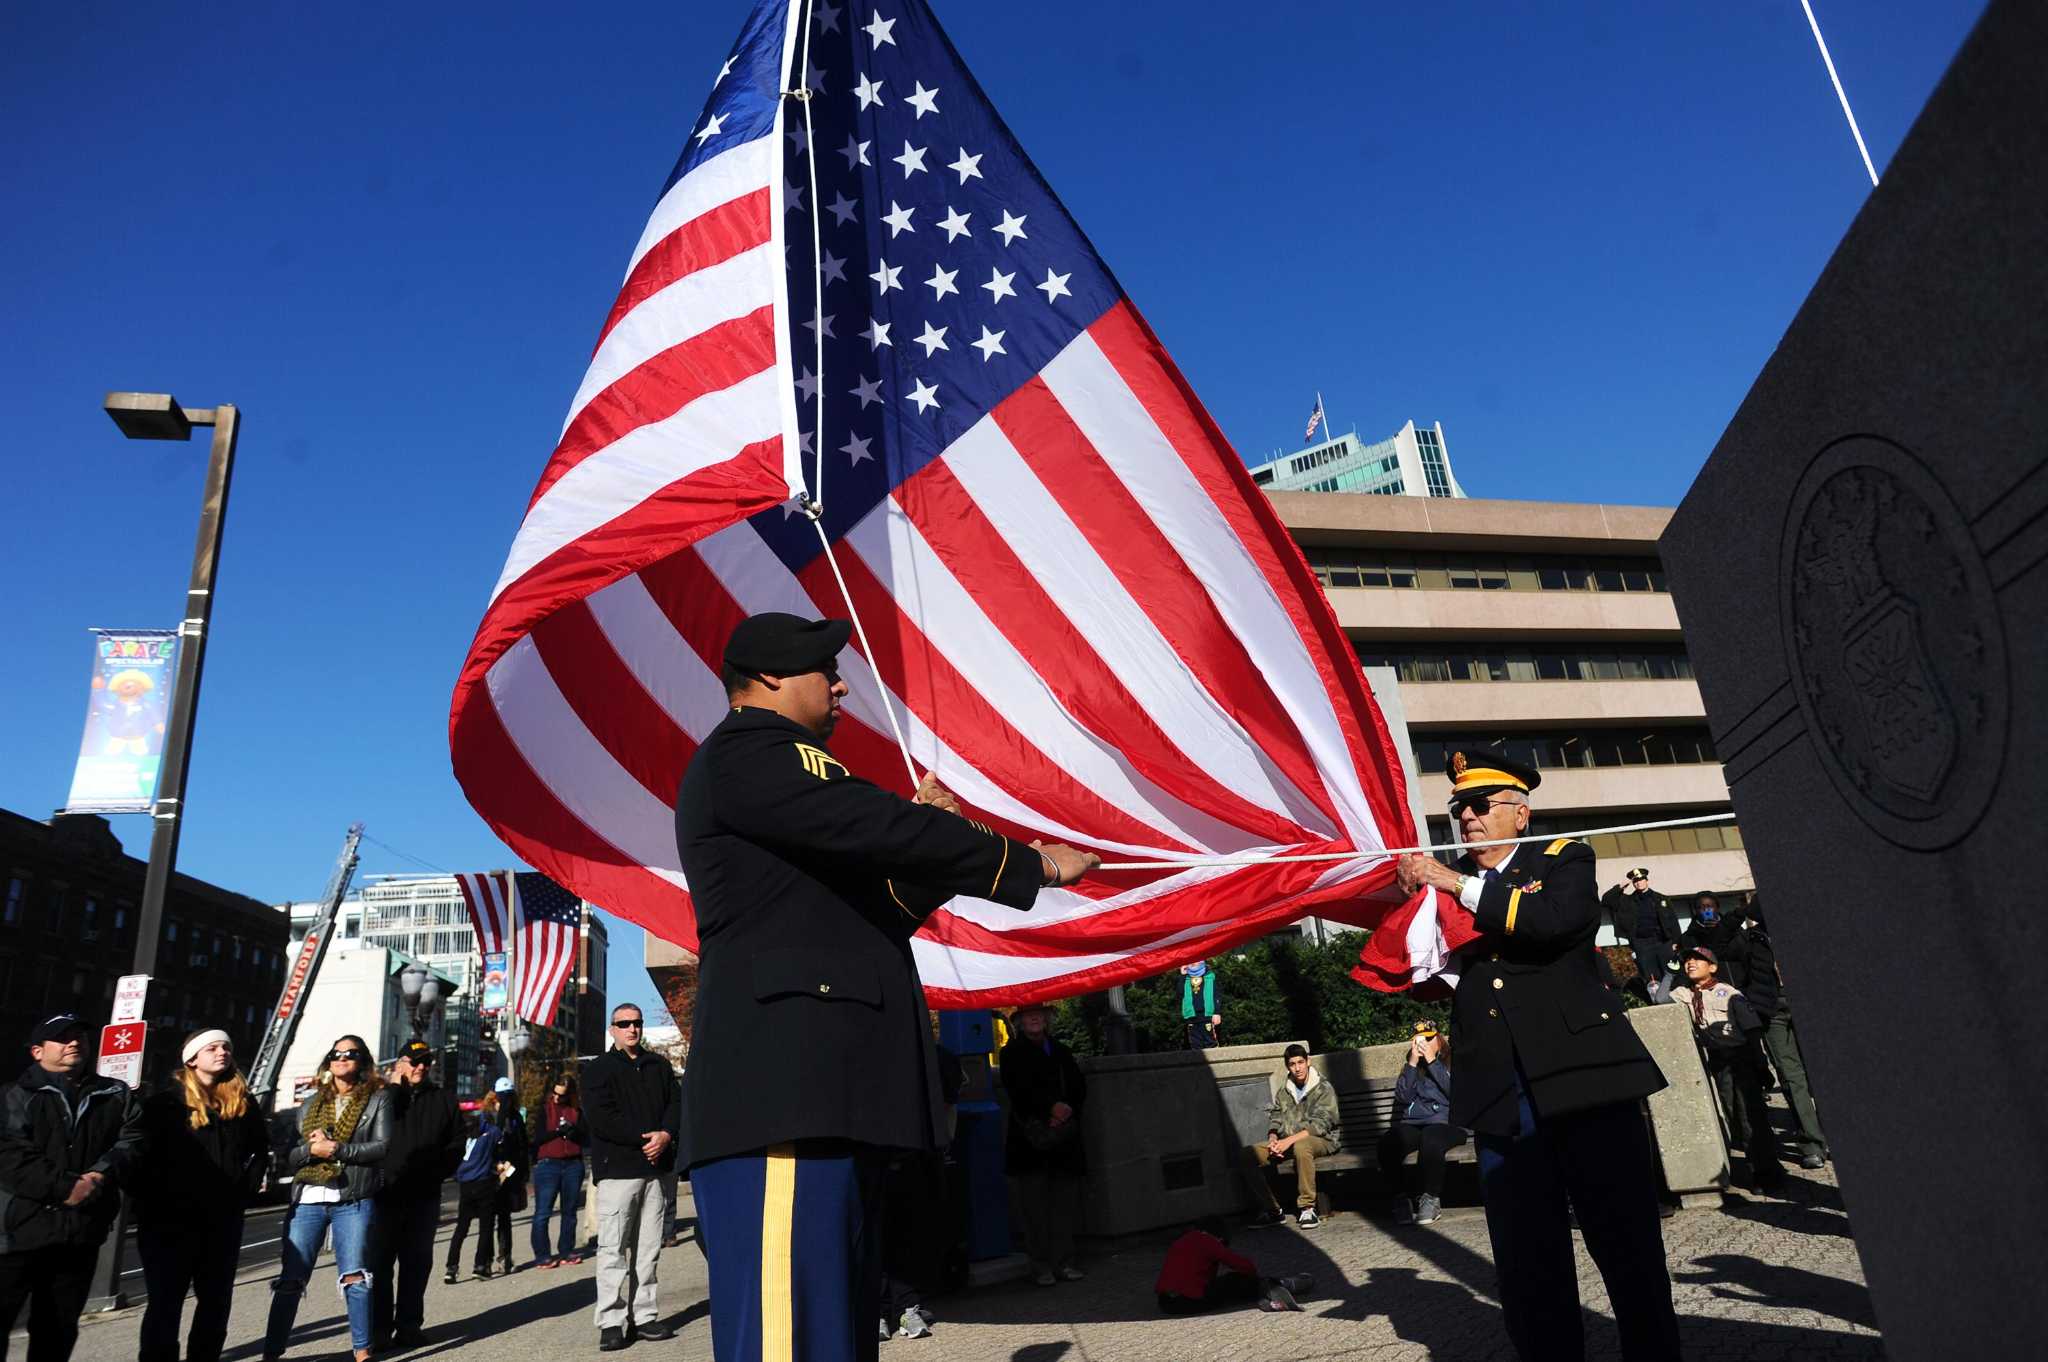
343	1130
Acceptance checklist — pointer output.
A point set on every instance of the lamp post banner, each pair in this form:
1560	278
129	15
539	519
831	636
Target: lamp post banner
132	675
496	992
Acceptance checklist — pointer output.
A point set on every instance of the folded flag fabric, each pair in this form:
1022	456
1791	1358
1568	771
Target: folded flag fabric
1416	943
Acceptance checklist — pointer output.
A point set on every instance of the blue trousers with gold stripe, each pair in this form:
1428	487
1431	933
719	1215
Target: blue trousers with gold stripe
790	1235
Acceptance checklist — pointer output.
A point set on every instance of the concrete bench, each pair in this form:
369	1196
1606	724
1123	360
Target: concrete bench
1366	1111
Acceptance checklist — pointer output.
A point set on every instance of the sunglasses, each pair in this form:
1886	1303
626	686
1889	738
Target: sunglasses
356	1055
1478	804
633	1025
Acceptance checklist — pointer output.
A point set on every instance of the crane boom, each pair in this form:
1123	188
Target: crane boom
284	1018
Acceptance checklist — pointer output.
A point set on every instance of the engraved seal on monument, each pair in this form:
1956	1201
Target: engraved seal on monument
1894	642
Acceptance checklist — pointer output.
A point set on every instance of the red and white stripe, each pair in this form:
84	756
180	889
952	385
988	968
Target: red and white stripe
488	896
1090	624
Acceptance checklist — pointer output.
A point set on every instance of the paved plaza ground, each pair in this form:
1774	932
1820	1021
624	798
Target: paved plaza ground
1754	1280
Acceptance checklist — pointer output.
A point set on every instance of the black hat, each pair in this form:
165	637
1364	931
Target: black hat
417	1052
54	1028
1483	770
1705	953
784	645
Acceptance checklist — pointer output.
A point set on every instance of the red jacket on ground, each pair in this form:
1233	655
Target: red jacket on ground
1191	1265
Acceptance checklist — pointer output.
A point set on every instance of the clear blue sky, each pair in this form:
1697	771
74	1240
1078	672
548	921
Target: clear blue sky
1570	232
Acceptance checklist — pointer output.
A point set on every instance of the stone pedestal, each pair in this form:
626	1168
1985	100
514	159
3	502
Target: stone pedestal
1859	574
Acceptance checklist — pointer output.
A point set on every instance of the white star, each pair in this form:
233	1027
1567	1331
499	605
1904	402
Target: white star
800	137
886	276
912	159
791	507
1055	286
869	391
844	209
898	219
834	269
808	386
941	282
990	344
924	394
828	18
857	446
803	441
877	334
1010	228
932	340
825	322
955	223
711	129
814	78
869	90
726	70
856	153
969	167
998	286
879	29
794	193
923	100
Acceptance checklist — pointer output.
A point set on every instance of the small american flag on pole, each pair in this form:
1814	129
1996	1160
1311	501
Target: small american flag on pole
1315	418
488	896
549	919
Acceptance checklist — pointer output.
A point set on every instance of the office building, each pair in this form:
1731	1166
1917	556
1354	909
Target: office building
1546	630
1413	462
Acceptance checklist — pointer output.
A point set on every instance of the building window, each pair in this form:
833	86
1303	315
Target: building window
1566	749
120	918
170	929
237	949
1447	662
17	890
1350	567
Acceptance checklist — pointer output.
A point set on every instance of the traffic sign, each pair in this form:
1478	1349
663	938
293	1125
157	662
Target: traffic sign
121	1051
129	992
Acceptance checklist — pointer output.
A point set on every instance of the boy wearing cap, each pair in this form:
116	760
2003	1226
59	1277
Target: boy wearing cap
69	1139
1551	1076
1726	1027
808	883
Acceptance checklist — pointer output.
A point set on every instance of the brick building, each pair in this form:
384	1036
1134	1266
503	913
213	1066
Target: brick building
69	901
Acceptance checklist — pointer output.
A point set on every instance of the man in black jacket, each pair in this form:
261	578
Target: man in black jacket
629	1107
1550	1076
1647	924
69	1142
426	1144
808	883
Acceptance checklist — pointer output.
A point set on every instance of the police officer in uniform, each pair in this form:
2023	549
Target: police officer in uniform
811	1055
1550	1076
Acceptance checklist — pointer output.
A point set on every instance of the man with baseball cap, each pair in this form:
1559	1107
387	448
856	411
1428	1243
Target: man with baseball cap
69	1139
426	1144
1550	1077
808	883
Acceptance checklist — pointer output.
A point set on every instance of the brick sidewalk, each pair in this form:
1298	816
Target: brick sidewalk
1755	1280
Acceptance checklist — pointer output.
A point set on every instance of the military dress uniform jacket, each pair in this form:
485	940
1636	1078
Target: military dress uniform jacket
808	882
1531	991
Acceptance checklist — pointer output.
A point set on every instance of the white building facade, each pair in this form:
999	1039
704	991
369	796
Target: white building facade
1412	462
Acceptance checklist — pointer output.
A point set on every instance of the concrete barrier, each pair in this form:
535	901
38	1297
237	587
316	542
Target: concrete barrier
1164	1130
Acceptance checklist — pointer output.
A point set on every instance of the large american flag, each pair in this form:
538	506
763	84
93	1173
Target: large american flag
1088	621
550	919
488	896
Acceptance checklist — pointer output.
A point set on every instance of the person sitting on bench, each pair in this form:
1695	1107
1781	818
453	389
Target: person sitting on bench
1422	1122
1303	1124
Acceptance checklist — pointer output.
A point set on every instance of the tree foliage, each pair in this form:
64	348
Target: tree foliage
1280	988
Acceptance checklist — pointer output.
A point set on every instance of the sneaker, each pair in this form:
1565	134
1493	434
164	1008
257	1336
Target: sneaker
916	1324
1308	1219
1404	1211
448	1278
1070	1273
887	1333
1298	1284
1812	1161
1428	1210
1266	1219
483	1272
611	1340
1044	1277
658	1333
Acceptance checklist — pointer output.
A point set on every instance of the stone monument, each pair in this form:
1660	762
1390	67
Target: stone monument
1862	574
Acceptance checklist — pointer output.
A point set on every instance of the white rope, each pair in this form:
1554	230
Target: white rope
1840	93
802	94
1193	862
881	687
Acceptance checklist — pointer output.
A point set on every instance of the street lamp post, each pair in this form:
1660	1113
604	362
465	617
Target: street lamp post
157	416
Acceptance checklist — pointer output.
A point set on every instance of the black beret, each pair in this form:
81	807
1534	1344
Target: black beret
785	645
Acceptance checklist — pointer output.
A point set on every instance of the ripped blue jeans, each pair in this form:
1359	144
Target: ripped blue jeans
306	1225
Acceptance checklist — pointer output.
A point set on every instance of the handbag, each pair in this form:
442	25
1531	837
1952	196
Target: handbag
1043	1135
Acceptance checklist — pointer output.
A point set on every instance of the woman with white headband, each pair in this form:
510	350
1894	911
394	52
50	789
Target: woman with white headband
207	1149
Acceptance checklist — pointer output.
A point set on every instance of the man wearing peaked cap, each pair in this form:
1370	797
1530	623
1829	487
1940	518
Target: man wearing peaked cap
1550	1075
810	1027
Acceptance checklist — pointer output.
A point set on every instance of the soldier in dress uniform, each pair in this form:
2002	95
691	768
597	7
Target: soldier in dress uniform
811	1056
1550	1076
